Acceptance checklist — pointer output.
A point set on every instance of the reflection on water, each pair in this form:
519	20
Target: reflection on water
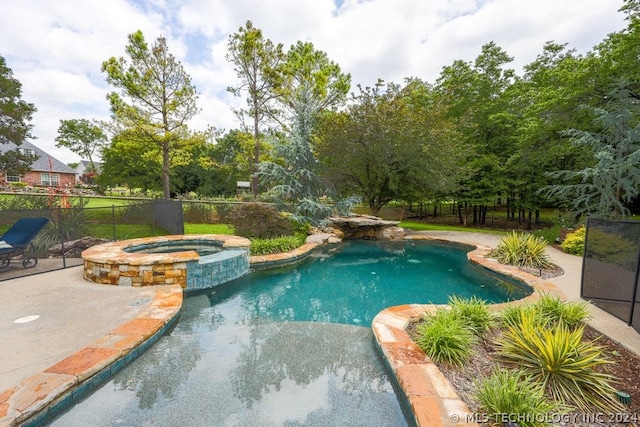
221	368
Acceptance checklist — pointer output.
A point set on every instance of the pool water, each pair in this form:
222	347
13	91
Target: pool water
287	346
352	282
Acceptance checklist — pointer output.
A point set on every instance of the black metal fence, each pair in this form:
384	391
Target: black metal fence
168	215
72	229
611	267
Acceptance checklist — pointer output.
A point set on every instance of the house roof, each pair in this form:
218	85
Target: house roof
44	163
83	165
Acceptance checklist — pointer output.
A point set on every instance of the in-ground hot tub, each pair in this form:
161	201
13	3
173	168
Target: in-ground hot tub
194	261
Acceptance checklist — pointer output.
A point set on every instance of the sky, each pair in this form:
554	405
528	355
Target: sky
56	48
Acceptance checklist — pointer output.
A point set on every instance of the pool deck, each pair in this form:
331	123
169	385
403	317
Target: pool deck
84	327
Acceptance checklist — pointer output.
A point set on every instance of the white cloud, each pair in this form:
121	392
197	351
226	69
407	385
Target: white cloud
56	48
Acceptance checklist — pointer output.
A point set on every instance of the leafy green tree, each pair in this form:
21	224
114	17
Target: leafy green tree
256	61
82	137
544	102
604	187
131	160
391	143
15	117
215	168
155	97
475	92
631	8
616	59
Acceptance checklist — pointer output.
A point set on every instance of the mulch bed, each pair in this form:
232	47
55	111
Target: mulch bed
625	366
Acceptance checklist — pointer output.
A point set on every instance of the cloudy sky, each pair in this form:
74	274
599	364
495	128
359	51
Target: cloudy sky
56	48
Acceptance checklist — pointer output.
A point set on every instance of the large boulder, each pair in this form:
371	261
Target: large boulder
366	227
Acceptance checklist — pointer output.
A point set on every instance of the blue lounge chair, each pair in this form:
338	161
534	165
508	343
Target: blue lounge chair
17	241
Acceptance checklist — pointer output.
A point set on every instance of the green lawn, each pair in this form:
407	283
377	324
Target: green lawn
207	229
134	231
419	226
106	202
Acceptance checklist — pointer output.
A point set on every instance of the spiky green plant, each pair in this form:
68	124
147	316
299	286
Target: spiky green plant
557	358
534	252
445	337
523	250
474	311
512	314
509	394
572	314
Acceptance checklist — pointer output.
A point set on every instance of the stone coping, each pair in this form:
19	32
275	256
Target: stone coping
114	252
39	397
429	395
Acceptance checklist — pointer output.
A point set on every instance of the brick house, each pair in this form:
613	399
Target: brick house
46	171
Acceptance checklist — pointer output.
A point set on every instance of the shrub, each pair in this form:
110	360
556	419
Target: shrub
549	310
574	242
571	314
277	244
66	224
198	213
223	210
136	212
522	250
512	315
259	220
474	311
445	337
558	359
512	393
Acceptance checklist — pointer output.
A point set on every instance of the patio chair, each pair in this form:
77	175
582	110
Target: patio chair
17	241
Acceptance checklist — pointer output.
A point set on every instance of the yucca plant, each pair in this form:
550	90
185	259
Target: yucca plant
522	250
572	314
508	250
506	394
474	311
557	358
445	337
534	252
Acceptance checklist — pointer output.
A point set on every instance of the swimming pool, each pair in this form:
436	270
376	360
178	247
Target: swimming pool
283	347
352	282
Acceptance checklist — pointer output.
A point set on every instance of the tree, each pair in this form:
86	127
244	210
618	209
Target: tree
161	98
294	178
82	137
475	92
256	61
15	117
391	143
132	160
613	179
215	168
311	83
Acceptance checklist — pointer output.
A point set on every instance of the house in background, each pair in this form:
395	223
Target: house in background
46	170
84	166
